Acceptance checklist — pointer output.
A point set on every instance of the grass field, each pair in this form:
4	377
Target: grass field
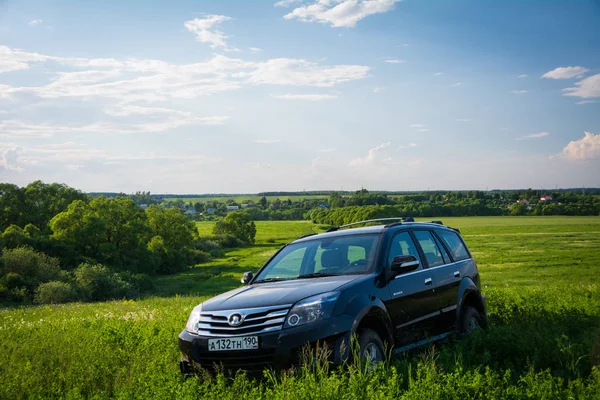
245	198
540	275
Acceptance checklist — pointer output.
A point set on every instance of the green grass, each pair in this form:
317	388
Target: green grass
540	276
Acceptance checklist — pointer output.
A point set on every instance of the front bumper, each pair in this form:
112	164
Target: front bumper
278	350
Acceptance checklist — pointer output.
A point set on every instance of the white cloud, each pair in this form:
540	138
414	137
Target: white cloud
74	166
423	130
565	73
518	91
585	102
286	3
585	88
21	129
417	126
408	146
124	110
326	150
371	156
10	159
150	80
309	97
534	136
585	148
267	141
207	32
254	49
34	22
522	76
457	84
394	61
340	13
289	71
378	89
438	74
462	120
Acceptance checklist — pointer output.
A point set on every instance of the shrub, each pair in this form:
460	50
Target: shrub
54	292
140	282
228	241
208	244
4	292
97	283
199	256
34	267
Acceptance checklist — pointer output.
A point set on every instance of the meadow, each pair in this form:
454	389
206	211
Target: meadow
245	198
540	276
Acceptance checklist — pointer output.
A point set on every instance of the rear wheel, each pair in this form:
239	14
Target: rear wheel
371	347
471	321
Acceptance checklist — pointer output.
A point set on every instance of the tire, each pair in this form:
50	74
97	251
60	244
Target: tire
470	321
372	350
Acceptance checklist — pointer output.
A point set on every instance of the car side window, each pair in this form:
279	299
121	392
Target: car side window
430	248
402	245
445	254
454	244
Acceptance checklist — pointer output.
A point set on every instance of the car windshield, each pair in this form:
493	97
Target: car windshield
339	255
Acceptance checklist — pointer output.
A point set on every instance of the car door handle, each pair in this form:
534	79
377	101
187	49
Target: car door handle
456	274
428	281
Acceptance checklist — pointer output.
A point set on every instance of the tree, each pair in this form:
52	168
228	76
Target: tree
109	230
172	238
43	201
79	228
263	202
238	224
11	205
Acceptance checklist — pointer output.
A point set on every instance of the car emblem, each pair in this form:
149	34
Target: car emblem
235	320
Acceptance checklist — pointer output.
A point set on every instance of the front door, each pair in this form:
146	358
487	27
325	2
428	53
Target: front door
412	295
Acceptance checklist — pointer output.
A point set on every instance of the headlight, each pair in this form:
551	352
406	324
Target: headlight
192	323
311	309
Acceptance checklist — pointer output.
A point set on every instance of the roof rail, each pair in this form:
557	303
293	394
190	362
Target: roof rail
402	219
437	222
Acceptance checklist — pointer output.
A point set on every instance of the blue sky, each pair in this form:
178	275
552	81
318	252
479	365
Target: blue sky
240	96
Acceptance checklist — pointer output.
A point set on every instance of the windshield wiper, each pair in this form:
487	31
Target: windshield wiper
316	275
272	280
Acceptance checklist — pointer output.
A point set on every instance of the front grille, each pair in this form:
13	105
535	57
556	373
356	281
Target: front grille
250	360
254	321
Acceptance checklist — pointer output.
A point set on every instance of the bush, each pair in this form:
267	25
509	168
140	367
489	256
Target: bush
208	244
199	256
54	292
228	241
98	283
12	281
34	267
140	282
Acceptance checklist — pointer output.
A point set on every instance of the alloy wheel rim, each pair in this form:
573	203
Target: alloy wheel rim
372	354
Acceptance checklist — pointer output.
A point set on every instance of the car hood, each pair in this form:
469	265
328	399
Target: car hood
275	293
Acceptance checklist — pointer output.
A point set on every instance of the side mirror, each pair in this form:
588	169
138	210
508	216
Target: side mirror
247	277
404	264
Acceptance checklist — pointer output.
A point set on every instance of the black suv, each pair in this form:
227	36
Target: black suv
395	286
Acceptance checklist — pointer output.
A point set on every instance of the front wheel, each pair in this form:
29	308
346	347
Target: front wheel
371	347
471	321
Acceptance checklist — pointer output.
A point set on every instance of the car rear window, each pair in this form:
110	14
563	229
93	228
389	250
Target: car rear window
454	243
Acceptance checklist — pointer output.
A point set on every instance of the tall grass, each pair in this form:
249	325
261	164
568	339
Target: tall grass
543	340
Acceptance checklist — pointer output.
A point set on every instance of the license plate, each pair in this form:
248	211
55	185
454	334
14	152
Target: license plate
238	343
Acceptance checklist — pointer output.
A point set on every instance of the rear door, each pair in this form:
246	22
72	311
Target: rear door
412	298
452	274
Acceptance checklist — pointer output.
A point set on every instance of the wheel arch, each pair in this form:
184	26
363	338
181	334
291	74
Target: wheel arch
375	316
469	295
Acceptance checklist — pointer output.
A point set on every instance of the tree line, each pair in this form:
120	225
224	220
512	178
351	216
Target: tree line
59	244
